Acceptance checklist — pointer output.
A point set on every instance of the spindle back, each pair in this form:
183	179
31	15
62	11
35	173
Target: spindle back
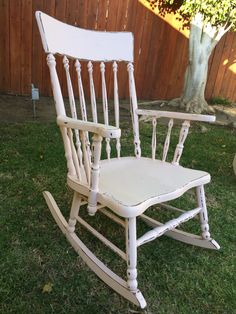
76	45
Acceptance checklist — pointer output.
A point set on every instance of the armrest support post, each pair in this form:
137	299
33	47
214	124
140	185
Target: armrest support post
95	169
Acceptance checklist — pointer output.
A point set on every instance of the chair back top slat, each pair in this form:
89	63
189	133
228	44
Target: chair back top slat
84	44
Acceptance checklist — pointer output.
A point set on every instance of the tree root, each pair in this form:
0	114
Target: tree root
192	106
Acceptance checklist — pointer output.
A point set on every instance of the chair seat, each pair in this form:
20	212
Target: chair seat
130	185
133	181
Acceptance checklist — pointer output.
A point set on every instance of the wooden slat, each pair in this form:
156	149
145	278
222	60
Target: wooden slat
214	65
145	55
232	68
71	10
222	68
111	26
81	21
159	63
160	49
179	63
4	46
121	25
131	17
15	46
92	24
26	58
228	63
49	8
60	14
166	62
38	56
138	35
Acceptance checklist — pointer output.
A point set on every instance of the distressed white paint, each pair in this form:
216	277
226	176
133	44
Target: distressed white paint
81	91
154	137
101	270
170	225
92	93
105	106
70	88
83	110
75	207
131	252
203	213
183	236
116	106
92	199
121	188
73	114
133	108
176	115
167	140
97	46
97	234
180	146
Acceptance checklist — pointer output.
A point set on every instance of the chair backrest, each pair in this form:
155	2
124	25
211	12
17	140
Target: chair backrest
76	44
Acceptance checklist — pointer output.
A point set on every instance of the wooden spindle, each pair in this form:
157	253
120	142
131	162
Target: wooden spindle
68	152
56	88
83	107
95	170
92	93
116	106
74	155
60	109
105	106
167	140
131	251
81	90
133	108
180	146
154	138
87	160
70	88
72	107
203	213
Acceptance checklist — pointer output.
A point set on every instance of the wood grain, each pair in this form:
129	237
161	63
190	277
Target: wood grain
160	49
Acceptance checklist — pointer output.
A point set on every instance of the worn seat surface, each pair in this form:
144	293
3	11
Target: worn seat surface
143	180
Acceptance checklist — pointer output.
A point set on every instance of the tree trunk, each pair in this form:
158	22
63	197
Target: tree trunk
202	40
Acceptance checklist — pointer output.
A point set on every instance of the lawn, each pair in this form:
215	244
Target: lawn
40	272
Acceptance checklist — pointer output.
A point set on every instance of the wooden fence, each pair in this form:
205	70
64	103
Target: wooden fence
160	50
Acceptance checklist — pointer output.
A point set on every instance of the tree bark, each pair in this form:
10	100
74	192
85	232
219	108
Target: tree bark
202	40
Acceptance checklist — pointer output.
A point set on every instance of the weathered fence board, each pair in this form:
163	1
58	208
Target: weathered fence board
160	50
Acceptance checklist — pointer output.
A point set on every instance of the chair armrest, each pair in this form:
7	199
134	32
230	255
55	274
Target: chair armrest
176	115
103	130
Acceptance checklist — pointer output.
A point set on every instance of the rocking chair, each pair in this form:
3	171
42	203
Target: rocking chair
122	188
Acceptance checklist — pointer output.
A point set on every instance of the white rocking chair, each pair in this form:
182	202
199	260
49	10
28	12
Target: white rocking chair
121	188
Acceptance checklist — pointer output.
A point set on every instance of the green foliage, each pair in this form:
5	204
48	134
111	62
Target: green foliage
217	13
219	101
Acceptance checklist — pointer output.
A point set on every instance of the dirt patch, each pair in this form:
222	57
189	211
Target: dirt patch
18	109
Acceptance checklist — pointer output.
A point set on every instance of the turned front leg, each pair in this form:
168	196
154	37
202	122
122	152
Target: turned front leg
76	203
131	252
203	213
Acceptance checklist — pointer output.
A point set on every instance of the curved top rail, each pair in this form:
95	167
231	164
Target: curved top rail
64	39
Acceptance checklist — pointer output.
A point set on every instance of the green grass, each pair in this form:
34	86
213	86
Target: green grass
219	101
174	277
